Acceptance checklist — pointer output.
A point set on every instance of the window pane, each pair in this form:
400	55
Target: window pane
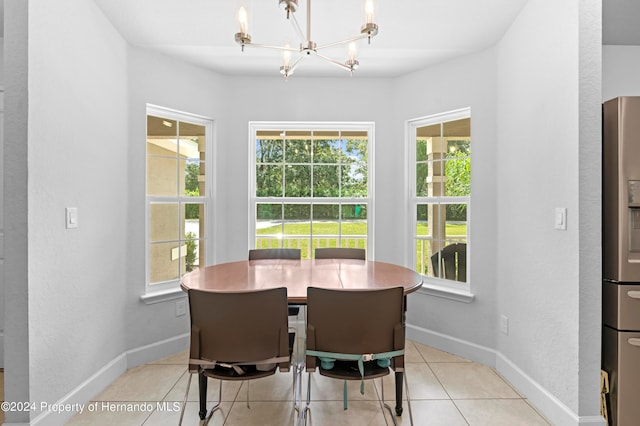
354	225
268	181
451	261
326	181
269	150
297	219
421	149
298	147
269	218
162	176
457	128
325	220
326	147
159	127
164	262
422	227
422	174
456	226
163	222
355	146
191	140
297	181
442	156
192	253
297	227
437	179
354	180
176	160
193	218
458	172
268	225
317	165
192	178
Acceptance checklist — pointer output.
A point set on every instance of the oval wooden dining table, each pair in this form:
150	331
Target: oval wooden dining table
297	276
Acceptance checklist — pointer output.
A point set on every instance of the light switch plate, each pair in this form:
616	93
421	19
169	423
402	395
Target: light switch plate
71	214
561	218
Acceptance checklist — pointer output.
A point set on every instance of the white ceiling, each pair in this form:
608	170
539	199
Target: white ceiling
413	33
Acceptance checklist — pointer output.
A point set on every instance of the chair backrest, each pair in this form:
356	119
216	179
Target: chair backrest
239	326
355	322
274	253
454	259
340	253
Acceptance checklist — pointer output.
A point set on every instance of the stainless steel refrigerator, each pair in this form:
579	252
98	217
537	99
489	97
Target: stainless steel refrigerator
621	257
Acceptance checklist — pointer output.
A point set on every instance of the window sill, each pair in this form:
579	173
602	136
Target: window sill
447	293
162	296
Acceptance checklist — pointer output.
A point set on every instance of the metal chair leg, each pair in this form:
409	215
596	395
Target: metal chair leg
393	416
302	419
406	386
215	407
384	405
184	401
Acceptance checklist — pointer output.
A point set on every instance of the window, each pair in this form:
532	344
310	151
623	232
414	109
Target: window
178	196
311	185
440	192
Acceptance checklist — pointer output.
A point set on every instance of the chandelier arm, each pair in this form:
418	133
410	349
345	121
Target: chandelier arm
296	27
333	61
269	46
347	41
295	64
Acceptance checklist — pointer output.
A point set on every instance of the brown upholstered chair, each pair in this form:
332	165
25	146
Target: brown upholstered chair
277	253
274	253
233	343
340	253
347	329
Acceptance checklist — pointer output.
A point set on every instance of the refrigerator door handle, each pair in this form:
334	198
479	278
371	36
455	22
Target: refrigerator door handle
634	341
634	294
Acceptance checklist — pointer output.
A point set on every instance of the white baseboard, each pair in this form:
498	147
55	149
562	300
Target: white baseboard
548	405
157	350
109	373
463	348
552	408
83	393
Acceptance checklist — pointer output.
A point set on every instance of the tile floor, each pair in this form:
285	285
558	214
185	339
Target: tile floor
444	390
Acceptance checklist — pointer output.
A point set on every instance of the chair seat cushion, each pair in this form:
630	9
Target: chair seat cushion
348	370
226	373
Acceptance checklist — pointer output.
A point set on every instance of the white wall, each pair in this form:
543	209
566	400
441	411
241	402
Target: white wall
544	99
76	154
159	80
446	87
620	76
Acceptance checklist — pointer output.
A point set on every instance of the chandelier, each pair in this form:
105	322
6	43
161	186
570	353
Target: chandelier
308	47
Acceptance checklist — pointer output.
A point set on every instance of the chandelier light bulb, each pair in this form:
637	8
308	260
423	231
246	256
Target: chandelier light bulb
286	56
353	51
242	20
368	9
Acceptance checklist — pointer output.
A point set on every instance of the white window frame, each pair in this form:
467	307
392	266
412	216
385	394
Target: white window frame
454	290
369	127
168	290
